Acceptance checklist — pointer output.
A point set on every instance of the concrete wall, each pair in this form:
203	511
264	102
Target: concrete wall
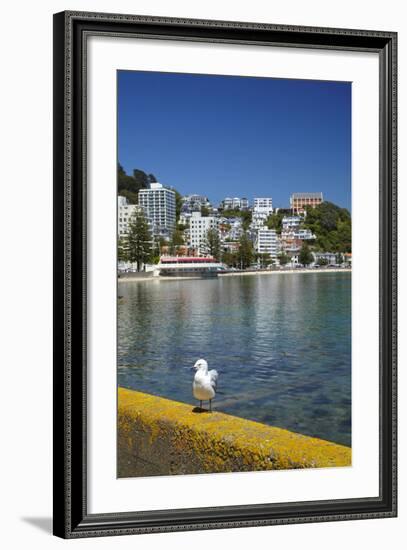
157	436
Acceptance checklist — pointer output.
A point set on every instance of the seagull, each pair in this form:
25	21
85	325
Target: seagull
204	384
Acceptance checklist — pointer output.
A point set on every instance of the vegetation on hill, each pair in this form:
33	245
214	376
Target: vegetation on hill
274	221
178	205
246	216
129	186
332	226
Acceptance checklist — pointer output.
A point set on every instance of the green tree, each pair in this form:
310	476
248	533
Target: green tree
204	211
305	257
283	258
139	240
141	178
129	186
322	261
274	221
212	243
245	215
246	251
178	205
122	249
131	196
155	252
332	226
230	212
177	239
264	260
229	258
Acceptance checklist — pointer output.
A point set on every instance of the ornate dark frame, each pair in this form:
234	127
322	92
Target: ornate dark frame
71	518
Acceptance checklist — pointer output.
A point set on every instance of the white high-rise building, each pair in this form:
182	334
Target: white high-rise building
198	228
124	213
263	205
159	205
267	242
236	202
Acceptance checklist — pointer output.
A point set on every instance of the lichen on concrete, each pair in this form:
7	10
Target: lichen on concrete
157	436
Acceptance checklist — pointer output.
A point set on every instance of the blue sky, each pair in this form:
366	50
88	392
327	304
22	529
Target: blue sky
237	136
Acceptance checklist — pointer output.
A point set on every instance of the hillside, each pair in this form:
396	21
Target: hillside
129	186
332	226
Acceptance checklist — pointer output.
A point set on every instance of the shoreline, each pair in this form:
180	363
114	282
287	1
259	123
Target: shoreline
234	274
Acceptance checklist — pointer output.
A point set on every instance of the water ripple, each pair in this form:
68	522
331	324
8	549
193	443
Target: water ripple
282	346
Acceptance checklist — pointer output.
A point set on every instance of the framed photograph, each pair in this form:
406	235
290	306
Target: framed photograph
224	274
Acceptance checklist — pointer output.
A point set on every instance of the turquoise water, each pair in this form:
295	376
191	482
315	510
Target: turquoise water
281	344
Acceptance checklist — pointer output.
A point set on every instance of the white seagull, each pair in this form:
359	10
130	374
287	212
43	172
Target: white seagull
204	384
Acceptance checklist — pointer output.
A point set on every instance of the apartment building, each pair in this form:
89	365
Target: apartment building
158	203
299	201
198	228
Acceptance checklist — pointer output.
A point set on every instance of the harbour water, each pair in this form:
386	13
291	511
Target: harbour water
281	344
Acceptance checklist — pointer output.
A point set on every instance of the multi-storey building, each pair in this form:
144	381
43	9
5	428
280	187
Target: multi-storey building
258	220
297	233
198	228
235	202
290	222
159	205
299	201
124	213
236	229
262	209
305	234
244	203
194	202
291	245
231	246
329	257
184	218
263	205
267	242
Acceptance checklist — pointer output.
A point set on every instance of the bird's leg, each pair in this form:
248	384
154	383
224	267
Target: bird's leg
200	404
210	405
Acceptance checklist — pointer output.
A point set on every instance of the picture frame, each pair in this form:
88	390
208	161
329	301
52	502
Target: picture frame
71	33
